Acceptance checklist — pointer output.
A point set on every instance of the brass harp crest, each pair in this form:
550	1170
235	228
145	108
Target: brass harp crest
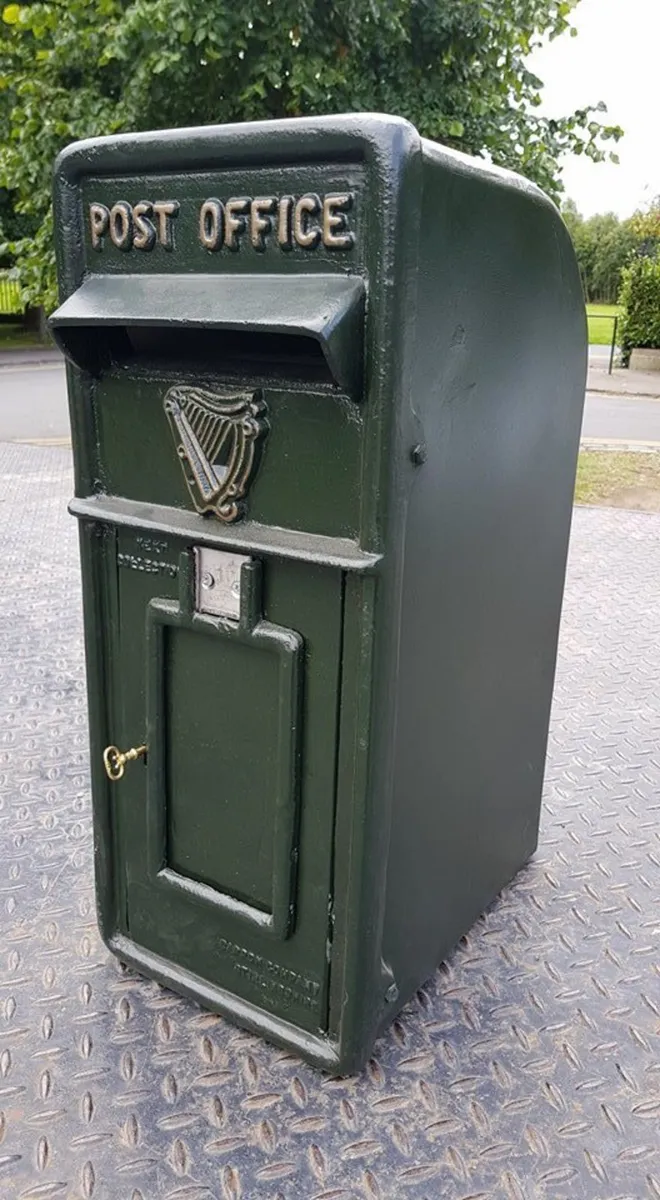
217	438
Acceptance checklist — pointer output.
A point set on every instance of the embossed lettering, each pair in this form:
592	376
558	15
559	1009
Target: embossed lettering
134	227
121	225
260	222
284	222
306	222
336	235
288	985
153	545
235	221
306	235
99	220
145	230
151	566
164	211
211	222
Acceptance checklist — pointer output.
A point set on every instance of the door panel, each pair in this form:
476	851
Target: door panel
221	814
223	731
226	833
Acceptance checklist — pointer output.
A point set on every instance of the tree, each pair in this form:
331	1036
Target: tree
456	68
14	225
646	227
614	243
603	245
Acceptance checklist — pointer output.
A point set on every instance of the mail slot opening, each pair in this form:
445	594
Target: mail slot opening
300	327
230	351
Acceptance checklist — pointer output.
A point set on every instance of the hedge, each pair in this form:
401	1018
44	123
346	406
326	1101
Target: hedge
640	306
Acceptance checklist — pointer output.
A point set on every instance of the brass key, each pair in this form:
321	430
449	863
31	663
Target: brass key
114	760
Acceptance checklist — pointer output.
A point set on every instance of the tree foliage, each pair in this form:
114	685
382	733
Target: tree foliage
604	246
646	228
456	68
13	225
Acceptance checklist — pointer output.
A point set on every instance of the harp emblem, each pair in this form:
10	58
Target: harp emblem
217	436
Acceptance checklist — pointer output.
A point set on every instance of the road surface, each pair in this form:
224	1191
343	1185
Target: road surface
33	407
621	418
33	404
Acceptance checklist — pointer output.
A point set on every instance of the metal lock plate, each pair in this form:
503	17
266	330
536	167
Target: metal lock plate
218	582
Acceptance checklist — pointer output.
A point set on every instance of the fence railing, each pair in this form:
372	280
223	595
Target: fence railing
10	297
613	343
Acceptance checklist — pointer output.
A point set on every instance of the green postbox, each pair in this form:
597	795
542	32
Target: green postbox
326	383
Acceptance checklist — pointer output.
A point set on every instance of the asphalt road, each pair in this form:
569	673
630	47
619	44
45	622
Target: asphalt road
621	418
33	406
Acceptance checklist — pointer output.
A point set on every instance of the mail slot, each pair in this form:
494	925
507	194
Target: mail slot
326	383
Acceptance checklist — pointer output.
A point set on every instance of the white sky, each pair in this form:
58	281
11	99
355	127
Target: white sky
615	58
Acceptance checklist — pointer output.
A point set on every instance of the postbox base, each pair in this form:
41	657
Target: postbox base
319	1051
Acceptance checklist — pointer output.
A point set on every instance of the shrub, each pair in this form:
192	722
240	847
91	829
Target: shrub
640	306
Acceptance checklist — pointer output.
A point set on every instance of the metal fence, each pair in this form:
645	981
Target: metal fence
613	343
10	297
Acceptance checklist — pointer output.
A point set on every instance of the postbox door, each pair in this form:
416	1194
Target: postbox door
226	829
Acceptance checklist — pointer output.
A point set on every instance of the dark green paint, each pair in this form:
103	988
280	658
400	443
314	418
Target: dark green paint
166	895
281	495
287	319
230	824
337	785
190	723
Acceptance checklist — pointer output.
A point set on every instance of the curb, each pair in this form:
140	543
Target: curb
598	391
40	441
621	444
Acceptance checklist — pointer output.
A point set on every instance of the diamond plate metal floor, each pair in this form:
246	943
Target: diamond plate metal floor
527	1069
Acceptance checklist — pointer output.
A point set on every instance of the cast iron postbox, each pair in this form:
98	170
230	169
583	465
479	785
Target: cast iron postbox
326	383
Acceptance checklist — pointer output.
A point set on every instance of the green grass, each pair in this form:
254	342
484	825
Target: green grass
599	319
623	478
14	337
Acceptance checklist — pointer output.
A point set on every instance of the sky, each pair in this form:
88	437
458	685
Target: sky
615	58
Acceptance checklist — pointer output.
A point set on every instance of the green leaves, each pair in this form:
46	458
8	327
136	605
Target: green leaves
640	304
604	246
11	14
455	129
456	68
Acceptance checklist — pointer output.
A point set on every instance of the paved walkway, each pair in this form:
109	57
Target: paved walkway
528	1068
622	382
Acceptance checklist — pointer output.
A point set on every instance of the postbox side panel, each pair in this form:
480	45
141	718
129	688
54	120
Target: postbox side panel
224	838
499	388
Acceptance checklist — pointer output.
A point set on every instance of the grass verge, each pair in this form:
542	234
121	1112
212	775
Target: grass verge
619	479
599	320
15	337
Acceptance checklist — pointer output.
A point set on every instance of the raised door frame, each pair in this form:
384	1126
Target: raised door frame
287	646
